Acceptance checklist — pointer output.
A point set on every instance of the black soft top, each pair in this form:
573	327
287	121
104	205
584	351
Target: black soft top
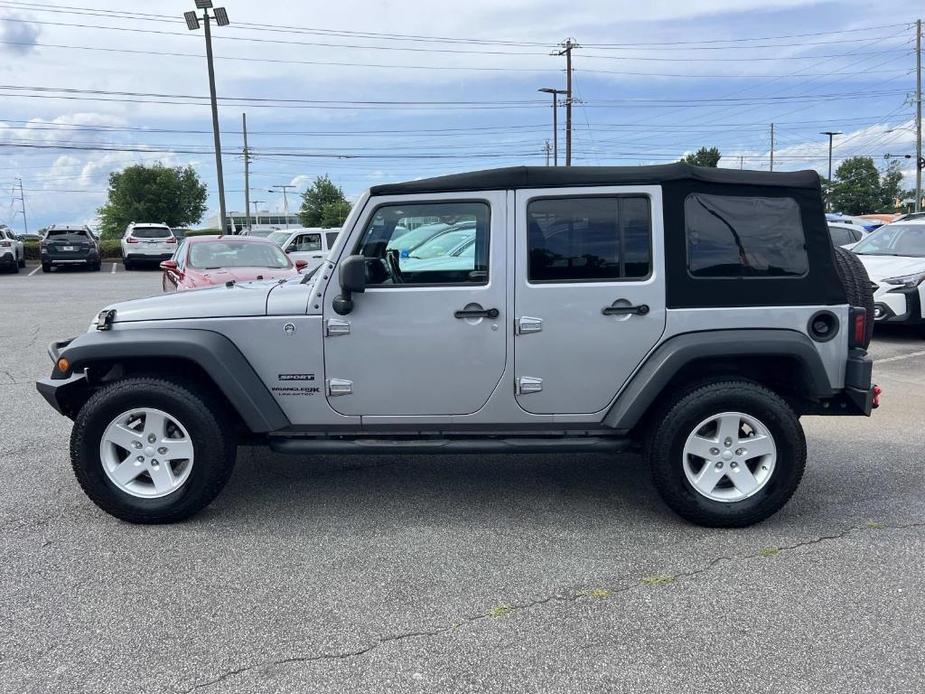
563	176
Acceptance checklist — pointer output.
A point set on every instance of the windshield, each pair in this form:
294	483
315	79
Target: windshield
895	239
279	237
151	233
260	233
216	254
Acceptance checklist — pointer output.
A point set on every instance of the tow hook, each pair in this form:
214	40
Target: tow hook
875	402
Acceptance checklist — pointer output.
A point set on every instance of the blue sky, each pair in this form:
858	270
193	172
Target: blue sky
368	92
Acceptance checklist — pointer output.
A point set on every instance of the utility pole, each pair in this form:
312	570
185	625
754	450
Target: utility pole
283	188
548	149
831	135
741	162
555	120
220	14
772	146
22	199
247	176
256	204
918	115
567	47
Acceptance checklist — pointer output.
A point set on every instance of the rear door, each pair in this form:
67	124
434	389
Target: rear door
589	293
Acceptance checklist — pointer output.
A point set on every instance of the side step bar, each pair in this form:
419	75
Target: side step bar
373	446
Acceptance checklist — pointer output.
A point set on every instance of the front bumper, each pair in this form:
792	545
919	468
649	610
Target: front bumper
900	305
63	393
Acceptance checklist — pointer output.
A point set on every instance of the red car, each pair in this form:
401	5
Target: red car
204	261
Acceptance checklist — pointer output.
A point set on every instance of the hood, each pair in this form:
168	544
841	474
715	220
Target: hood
881	266
244	274
248	299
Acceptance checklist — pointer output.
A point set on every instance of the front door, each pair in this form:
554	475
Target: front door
427	337
589	293
306	246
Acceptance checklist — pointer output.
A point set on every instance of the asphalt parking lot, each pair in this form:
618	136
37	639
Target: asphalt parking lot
460	573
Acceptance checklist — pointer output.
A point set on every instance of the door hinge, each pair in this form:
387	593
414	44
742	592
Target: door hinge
528	384
334	327
339	386
526	325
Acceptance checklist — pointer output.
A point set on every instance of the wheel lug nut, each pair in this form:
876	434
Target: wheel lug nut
728	442
719	465
140	459
136	444
740	451
162	450
151	438
714	451
734	466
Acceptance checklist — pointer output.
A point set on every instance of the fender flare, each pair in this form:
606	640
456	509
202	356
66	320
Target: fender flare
657	371
214	353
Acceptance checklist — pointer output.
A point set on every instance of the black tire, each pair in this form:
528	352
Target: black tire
97	267
46	267
213	442
22	262
14	268
127	264
678	419
856	282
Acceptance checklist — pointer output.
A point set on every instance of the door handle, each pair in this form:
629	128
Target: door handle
640	310
477	313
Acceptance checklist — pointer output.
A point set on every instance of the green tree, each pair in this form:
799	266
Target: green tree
891	192
704	157
334	212
322	195
173	195
856	188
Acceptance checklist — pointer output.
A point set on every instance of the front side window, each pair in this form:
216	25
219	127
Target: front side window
427	243
587	239
305	243
738	236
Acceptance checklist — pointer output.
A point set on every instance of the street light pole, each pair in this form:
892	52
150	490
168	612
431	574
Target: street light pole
555	120
192	23
831	135
284	189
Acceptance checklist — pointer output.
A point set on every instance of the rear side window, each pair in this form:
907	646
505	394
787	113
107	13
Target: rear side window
841	236
305	243
586	239
151	233
331	237
737	236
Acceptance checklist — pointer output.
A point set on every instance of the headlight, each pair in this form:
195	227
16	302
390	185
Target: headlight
906	281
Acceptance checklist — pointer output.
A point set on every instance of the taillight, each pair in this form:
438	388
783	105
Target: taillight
172	239
6	244
131	239
858	326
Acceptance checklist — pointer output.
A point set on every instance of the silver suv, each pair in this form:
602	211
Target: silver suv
693	314
147	243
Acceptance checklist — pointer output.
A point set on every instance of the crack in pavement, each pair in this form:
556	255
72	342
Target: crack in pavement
570	596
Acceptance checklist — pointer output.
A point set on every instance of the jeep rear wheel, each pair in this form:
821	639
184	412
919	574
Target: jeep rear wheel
727	454
147	450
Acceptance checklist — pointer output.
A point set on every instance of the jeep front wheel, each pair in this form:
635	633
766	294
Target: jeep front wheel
147	450
727	454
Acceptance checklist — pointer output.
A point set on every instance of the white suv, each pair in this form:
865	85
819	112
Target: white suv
12	253
143	242
311	244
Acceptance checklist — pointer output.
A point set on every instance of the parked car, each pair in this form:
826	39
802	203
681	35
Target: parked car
894	257
309	244
867	224
12	253
204	261
696	313
68	246
846	235
31	236
147	243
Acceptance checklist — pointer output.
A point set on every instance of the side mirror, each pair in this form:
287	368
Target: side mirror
169	265
352	275
301	264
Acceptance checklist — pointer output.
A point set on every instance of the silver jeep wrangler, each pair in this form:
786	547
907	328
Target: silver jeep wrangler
693	313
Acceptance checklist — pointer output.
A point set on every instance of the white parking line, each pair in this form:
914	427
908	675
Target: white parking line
113	271
900	357
39	267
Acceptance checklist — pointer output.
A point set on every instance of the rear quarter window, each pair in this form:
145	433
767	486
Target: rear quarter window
740	236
